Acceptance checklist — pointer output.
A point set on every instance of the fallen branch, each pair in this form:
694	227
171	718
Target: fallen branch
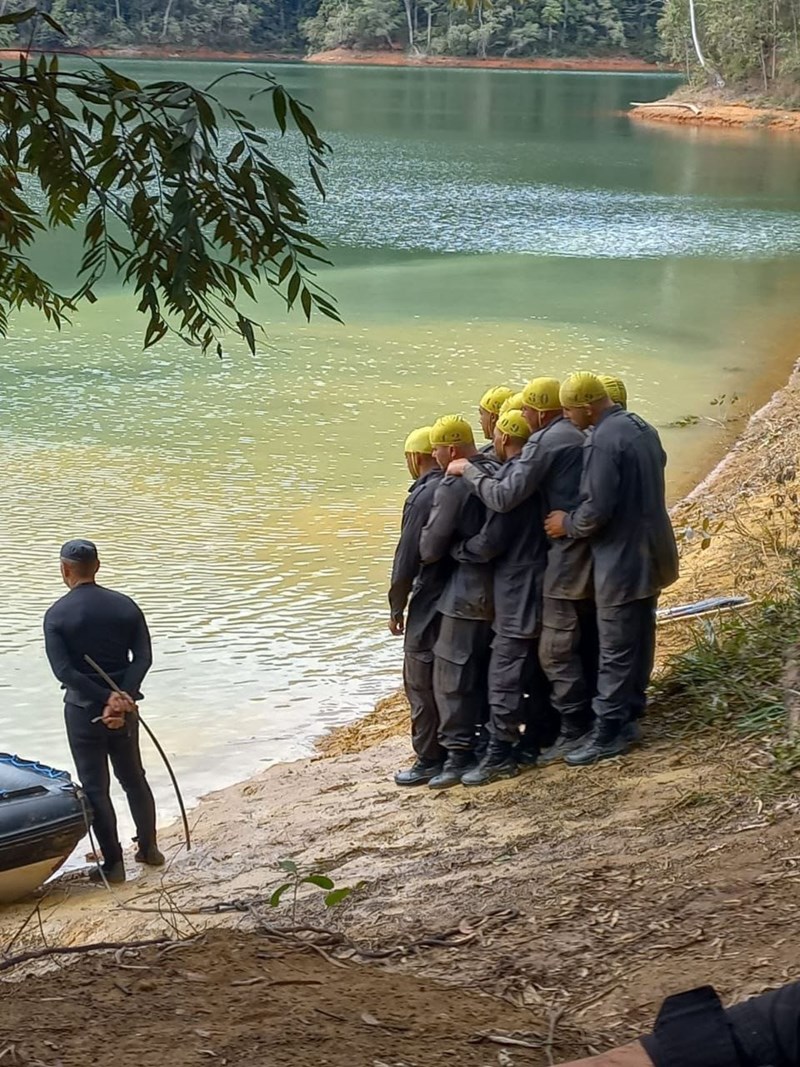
695	110
75	950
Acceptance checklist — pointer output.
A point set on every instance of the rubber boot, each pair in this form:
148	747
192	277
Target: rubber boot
498	763
114	874
603	743
526	756
564	744
455	766
419	774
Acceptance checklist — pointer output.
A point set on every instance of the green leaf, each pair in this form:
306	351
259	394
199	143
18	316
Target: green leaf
318	880
14	18
275	898
337	896
288	865
279	107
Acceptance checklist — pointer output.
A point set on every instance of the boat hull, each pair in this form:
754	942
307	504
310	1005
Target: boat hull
42	818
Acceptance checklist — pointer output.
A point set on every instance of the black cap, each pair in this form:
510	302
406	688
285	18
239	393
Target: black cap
79	551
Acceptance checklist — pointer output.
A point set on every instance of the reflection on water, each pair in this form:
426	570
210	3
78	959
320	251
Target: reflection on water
251	505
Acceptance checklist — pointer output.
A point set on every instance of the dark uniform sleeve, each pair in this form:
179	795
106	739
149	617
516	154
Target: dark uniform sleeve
767	1028
406	563
491	541
504	495
759	1032
439	531
63	668
142	653
599	491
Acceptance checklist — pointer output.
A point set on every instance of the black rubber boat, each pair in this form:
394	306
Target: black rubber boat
41	822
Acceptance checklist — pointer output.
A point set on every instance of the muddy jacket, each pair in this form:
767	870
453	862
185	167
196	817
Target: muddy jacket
456	516
517	543
623	513
549	465
424	585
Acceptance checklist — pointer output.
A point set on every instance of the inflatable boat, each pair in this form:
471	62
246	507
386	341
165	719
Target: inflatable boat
41	821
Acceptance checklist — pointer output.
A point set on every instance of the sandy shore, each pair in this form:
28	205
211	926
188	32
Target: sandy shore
349	57
706	110
353	57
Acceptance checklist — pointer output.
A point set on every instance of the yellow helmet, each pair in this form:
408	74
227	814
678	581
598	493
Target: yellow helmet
514	403
493	399
419	441
514	424
451	430
615	387
542	394
581	388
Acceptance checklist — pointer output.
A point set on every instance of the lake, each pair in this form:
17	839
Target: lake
485	227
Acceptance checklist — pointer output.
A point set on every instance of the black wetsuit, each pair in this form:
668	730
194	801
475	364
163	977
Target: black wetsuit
111	628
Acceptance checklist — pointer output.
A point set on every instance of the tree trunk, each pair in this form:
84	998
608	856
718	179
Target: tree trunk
167	13
410	20
774	38
763	65
698	51
717	78
117	11
430	26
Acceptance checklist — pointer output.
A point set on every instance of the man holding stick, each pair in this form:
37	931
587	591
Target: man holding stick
102	724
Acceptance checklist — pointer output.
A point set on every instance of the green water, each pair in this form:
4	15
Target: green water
485	227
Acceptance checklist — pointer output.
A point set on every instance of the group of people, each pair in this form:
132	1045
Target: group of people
526	579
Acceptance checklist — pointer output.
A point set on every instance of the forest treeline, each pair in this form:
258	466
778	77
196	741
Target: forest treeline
733	40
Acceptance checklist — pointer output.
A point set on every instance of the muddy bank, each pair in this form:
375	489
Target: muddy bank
722	110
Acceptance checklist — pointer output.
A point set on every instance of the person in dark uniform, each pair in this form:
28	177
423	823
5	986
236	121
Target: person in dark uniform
101	725
550	465
615	389
623	516
461	652
489	411
517	544
694	1030
417	589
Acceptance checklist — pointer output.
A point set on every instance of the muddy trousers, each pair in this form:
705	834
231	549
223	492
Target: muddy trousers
92	745
460	666
418	683
519	693
626	634
568	651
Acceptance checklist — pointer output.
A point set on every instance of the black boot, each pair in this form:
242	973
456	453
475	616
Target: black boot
421	772
564	744
114	874
604	742
526	756
456	765
498	763
632	732
150	855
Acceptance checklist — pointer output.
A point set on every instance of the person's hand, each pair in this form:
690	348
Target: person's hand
554	524
112	718
456	467
121	703
396	626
